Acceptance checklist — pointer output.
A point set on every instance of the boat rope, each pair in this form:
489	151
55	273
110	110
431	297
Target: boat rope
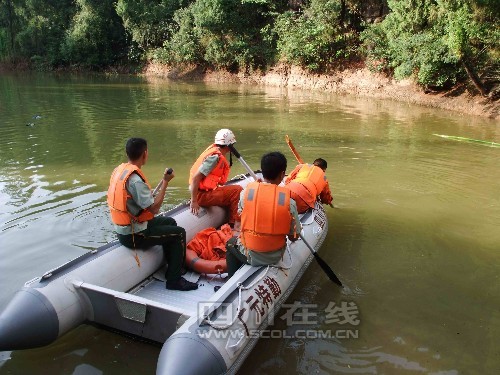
241	176
242	287
288	242
136	257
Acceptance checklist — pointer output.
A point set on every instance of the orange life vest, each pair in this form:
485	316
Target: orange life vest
218	175
118	195
266	217
309	183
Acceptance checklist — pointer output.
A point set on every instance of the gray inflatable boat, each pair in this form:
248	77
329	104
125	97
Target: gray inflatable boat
210	330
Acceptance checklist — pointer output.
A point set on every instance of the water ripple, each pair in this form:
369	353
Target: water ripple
330	356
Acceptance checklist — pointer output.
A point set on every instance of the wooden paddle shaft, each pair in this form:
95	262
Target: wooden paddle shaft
294	151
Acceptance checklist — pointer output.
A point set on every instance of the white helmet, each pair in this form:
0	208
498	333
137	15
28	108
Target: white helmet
224	137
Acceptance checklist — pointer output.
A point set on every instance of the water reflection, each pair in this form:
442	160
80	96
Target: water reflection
81	352
414	236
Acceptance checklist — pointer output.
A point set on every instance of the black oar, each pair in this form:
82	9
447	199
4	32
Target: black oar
242	161
329	272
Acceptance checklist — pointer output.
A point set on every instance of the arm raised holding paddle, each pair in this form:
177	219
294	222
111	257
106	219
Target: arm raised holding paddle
308	182
294	151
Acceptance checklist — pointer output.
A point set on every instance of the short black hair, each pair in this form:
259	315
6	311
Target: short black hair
321	163
135	147
272	164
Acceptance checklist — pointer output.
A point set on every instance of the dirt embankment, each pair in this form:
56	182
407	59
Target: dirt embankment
355	81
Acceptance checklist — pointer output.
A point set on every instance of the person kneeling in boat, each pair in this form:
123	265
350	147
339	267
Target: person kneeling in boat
307	183
268	216
208	175
133	208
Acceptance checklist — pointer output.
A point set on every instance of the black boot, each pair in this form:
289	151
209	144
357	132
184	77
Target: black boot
181	284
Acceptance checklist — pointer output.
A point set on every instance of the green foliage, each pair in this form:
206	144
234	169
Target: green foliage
431	40
148	21
4	43
376	48
96	36
183	47
38	27
223	33
432	66
316	37
8	28
436	42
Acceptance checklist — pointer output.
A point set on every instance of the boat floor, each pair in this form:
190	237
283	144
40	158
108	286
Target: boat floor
154	289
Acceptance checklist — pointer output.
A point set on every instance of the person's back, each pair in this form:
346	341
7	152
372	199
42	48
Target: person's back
307	182
268	216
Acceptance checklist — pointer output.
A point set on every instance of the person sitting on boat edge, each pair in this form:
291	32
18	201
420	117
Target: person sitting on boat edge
307	183
133	208
208	175
268	216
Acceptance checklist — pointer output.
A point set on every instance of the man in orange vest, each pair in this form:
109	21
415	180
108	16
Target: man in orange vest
133	208
208	175
308	182
268	216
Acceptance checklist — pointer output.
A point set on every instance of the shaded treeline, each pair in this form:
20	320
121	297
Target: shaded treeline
436	42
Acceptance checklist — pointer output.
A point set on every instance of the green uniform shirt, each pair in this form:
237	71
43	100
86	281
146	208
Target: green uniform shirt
208	164
141	199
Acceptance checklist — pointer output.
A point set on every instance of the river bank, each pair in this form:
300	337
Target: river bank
358	80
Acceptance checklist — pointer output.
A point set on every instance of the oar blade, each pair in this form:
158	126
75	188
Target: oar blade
329	272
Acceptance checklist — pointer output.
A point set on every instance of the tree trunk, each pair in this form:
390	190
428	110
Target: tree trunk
342	14
11	25
474	78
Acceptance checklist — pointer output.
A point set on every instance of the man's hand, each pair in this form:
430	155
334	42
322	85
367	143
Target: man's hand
195	207
195	183
168	174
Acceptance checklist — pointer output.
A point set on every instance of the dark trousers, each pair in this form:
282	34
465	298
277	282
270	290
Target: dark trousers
163	231
234	258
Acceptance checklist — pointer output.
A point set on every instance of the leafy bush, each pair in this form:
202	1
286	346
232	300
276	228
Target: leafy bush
4	44
96	36
38	27
437	42
222	33
183	46
375	46
148	21
316	37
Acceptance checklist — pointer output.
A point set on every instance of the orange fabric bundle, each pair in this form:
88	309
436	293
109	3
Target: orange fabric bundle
210	243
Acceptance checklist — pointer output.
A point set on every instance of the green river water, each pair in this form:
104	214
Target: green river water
415	235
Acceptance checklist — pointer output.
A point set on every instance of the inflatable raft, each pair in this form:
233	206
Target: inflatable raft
220	321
